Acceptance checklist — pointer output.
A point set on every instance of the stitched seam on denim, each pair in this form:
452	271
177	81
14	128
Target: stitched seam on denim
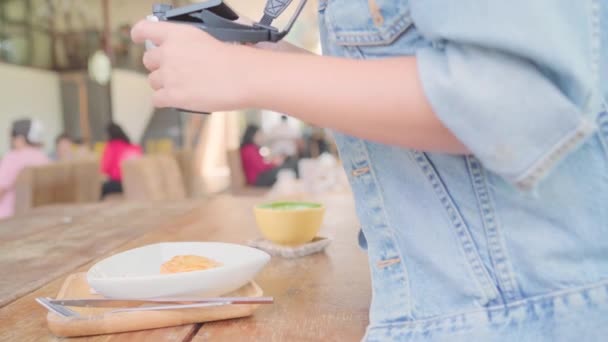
497	250
355	53
466	240
496	309
329	28
389	226
602	122
565	145
322	5
402	22
372	39
595	24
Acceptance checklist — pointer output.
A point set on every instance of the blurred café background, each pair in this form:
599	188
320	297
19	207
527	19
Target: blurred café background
70	66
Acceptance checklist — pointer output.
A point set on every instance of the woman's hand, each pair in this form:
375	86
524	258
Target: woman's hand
191	70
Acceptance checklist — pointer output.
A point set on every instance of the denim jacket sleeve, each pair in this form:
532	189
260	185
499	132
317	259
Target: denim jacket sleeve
516	81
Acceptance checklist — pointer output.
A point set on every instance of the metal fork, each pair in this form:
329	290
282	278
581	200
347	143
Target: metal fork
68	313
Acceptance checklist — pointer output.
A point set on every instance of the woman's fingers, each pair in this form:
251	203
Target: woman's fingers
152	59
156	32
155	79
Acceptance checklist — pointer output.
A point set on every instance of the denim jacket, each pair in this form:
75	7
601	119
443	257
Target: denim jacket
509	243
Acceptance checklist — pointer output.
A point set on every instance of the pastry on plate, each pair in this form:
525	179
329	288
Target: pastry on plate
187	263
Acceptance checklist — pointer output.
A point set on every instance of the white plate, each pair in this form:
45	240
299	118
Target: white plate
136	272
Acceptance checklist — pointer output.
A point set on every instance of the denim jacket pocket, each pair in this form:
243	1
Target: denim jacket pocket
487	289
385	21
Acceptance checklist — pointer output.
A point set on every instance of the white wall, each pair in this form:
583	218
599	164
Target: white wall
131	102
26	92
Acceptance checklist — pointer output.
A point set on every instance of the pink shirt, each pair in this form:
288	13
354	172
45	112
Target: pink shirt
10	167
253	163
114	154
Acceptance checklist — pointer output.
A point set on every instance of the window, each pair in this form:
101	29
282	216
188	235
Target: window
23	40
14	44
49	34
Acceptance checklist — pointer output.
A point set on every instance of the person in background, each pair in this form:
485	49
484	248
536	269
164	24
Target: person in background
258	171
64	148
318	142
283	139
117	150
26	140
82	150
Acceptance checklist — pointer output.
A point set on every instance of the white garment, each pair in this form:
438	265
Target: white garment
283	139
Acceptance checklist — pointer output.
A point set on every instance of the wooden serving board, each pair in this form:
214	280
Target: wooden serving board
98	321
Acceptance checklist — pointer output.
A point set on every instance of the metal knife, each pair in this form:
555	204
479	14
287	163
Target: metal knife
119	302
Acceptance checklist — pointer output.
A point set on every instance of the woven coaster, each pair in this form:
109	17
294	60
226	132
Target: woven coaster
317	245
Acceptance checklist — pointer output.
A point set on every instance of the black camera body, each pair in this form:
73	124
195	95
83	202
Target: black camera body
220	21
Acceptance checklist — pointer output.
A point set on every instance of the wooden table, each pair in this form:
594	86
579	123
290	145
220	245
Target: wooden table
324	297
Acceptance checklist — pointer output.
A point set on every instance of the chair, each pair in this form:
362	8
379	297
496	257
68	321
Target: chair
98	149
153	177
87	180
238	182
62	182
186	162
172	180
160	146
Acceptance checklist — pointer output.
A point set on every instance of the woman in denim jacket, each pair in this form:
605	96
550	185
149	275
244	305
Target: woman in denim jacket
475	137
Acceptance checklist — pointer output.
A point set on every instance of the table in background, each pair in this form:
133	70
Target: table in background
324	297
